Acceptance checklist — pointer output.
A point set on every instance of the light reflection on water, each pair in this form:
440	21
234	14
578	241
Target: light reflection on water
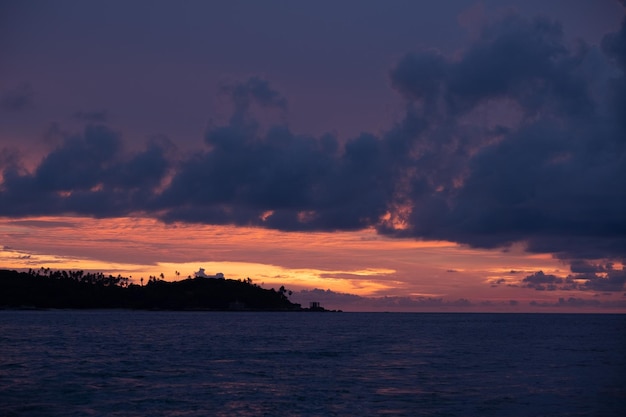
133	363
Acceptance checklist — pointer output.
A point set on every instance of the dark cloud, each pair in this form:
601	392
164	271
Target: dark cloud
542	282
580	266
279	179
100	116
350	302
581	303
586	277
510	141
420	76
254	90
514	58
10	158
337	300
613	281
80	162
549	170
88	174
253	101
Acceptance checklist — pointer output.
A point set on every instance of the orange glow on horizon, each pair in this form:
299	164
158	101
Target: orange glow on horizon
361	263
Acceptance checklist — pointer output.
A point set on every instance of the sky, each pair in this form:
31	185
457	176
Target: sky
374	156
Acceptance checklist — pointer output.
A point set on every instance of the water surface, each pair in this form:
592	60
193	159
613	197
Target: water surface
134	363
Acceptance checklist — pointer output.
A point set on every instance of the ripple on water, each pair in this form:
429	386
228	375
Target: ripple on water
130	363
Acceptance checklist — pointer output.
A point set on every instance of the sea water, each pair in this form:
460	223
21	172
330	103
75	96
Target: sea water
138	363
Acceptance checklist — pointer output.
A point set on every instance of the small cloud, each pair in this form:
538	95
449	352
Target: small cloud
542	282
92	116
613	280
17	99
461	302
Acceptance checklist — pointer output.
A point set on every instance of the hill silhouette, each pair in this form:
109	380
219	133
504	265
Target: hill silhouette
44	289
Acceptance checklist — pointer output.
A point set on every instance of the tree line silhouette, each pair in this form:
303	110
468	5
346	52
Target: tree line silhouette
45	288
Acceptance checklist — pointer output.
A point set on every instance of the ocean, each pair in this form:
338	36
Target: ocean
155	363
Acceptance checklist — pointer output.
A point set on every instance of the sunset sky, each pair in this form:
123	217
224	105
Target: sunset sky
374	156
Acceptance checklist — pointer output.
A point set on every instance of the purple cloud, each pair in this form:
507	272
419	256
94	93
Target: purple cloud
547	168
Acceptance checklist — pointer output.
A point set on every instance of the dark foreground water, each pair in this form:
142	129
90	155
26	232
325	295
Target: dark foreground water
129	363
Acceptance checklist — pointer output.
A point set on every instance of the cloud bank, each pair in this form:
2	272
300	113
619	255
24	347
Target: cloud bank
520	138
350	302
